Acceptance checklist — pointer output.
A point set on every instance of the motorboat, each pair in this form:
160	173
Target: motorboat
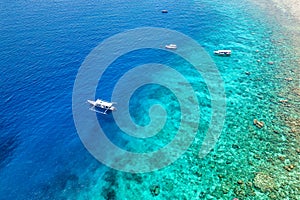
171	46
223	52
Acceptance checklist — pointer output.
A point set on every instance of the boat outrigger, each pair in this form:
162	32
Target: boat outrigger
223	52
101	104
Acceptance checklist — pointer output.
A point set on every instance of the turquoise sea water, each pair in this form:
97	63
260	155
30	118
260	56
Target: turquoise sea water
43	44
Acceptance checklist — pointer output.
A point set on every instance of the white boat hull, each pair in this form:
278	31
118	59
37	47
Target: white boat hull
171	46
223	52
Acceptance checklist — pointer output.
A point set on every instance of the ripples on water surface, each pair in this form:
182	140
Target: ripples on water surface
43	44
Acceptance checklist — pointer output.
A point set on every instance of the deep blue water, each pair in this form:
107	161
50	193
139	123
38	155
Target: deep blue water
43	44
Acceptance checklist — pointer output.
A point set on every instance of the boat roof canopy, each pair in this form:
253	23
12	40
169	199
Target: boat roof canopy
224	50
104	103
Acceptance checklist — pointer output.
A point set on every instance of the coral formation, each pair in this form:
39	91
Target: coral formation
258	124
289	167
155	190
264	182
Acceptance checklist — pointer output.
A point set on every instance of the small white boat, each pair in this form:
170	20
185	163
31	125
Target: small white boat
164	11
171	46
223	52
102	104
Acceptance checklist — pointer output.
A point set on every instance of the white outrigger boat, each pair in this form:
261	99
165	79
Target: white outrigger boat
171	46
223	52
101	104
